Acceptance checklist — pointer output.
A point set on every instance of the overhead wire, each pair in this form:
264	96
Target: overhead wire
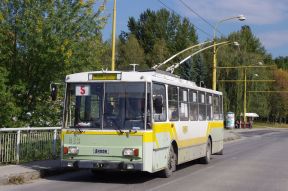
172	10
202	18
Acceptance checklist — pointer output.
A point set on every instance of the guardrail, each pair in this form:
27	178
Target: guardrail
28	144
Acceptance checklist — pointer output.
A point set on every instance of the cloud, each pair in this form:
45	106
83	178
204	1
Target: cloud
257	11
274	39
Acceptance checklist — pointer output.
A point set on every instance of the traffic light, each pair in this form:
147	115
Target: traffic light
54	90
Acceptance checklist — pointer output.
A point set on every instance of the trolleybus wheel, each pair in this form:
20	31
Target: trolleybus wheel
206	159
171	164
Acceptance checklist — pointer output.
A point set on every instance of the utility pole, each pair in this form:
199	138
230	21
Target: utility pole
245	83
113	36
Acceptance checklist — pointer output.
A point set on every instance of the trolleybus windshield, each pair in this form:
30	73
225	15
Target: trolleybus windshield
109	105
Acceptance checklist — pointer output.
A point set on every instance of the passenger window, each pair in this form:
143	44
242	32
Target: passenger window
193	105
183	107
202	106
209	106
173	103
216	107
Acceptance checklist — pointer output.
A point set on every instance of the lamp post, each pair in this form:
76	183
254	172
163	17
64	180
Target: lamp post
240	18
113	36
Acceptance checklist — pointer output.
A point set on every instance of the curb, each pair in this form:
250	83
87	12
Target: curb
28	176
232	136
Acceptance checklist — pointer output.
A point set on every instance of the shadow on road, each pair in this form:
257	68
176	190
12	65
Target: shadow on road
115	177
105	177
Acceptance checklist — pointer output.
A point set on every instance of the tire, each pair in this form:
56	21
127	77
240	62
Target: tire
206	159
171	164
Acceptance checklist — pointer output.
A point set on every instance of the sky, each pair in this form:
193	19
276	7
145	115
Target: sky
268	19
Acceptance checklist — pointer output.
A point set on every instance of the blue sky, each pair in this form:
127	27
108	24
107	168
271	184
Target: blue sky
268	19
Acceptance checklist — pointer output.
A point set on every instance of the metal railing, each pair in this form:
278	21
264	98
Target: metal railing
19	145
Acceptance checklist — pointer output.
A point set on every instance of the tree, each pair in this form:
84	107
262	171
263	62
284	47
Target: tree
251	52
9	111
130	53
160	34
279	112
282	62
45	40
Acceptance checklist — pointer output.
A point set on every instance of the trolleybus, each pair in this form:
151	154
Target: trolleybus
138	121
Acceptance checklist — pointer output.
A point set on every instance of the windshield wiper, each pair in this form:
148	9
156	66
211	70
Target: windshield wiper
82	124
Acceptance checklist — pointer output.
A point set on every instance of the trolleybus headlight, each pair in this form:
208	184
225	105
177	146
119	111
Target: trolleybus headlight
130	152
73	150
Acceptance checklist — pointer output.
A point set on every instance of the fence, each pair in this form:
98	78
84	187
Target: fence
19	145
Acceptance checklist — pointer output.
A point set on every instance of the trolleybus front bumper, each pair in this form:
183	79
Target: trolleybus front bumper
101	165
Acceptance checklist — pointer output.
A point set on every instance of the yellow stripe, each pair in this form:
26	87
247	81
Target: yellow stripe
147	136
216	124
191	142
150	136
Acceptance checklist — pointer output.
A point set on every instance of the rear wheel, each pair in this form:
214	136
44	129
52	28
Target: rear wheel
171	164
206	159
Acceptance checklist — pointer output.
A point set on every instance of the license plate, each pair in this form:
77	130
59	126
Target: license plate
101	151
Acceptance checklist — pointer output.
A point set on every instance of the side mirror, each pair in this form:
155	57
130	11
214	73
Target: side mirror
158	104
54	90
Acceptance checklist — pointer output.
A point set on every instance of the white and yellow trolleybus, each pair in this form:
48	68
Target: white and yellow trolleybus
142	121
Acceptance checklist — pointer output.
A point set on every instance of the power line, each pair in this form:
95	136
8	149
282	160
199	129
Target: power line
209	35
202	18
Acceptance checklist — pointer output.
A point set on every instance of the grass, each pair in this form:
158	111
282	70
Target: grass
270	125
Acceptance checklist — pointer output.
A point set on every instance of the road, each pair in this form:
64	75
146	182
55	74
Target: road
256	162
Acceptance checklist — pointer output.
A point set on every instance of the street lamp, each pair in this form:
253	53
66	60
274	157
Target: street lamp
240	18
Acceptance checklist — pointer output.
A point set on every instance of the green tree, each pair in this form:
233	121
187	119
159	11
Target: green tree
279	111
45	40
282	62
9	111
130	52
161	31
251	52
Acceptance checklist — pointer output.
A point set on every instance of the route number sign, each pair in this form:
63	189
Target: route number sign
82	90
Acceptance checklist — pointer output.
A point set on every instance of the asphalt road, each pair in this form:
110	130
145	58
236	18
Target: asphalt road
256	162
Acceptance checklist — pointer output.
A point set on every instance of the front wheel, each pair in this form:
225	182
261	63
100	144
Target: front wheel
171	164
206	159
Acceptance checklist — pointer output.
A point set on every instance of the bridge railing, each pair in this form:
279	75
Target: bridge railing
19	145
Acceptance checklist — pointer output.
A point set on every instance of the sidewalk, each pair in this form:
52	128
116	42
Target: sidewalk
18	174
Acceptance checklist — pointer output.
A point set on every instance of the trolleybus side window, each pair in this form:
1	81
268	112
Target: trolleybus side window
159	102
183	104
193	105
173	103
202	106
209	106
221	106
216	107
